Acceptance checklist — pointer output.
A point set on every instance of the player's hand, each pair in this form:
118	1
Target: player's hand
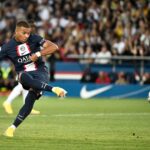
33	57
59	91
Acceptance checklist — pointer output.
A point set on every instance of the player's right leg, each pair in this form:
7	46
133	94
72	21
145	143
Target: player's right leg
14	93
40	84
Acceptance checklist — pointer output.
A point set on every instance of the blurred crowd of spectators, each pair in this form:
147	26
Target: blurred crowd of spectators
97	28
7	76
88	27
118	78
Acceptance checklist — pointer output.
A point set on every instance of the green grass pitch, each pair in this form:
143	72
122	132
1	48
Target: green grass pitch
76	124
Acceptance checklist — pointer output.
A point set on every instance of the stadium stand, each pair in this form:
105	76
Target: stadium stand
90	29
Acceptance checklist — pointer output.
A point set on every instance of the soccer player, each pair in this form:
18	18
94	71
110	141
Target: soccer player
24	50
17	90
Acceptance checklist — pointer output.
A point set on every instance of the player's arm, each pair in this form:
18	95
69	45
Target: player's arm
48	48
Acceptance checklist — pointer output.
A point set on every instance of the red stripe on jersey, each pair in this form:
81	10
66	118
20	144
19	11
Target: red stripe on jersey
28	47
17	51
24	66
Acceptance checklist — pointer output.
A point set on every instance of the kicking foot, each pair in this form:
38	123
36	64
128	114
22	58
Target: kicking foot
9	132
8	108
35	112
59	91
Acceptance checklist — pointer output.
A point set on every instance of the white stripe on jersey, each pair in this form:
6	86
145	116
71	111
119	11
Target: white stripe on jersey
30	67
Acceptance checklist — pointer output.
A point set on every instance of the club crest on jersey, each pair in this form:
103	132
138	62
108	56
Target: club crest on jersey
22	48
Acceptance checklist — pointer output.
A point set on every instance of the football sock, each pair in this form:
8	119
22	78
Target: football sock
28	81
26	109
14	93
13	126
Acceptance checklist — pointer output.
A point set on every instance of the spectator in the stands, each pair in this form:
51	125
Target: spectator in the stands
87	54
145	78
88	76
103	56
121	78
103	78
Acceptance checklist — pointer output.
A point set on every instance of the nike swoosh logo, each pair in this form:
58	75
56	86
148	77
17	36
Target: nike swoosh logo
88	94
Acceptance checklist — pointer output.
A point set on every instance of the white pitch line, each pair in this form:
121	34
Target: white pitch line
102	114
84	115
10	116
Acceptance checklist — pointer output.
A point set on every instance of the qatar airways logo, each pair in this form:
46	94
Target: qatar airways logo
24	59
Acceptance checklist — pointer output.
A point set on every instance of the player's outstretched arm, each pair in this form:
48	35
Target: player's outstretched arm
48	48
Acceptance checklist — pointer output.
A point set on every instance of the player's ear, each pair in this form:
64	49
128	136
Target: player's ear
16	30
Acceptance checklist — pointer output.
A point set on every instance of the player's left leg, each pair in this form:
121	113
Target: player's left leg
23	113
14	93
24	94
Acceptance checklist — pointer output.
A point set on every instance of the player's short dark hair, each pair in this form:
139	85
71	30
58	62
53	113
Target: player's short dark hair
23	24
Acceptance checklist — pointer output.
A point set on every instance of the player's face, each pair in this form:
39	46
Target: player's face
22	34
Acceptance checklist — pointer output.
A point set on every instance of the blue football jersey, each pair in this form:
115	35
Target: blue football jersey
19	53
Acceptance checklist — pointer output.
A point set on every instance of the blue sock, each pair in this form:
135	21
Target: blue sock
26	108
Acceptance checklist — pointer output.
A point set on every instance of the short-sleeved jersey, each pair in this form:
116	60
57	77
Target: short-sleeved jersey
19	53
